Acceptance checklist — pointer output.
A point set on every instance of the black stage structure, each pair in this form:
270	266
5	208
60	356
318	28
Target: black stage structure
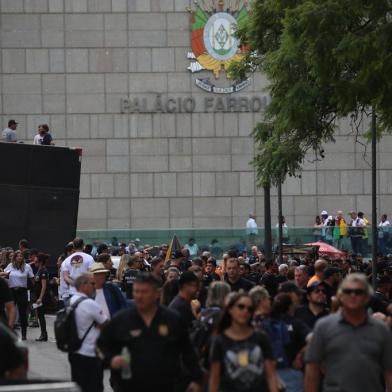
39	196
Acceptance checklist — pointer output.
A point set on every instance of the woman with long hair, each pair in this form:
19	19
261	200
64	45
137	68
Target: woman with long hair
241	358
18	273
40	293
203	328
169	291
122	267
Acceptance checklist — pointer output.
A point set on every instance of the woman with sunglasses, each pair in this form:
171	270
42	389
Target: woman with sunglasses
18	273
241	358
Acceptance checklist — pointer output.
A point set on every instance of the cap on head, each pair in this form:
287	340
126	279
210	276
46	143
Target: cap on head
322	213
313	286
12	122
290	287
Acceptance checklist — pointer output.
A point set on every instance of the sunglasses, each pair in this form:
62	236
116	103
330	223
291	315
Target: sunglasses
354	292
319	291
250	309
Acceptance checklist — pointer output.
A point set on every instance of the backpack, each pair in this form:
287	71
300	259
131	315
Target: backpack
66	331
201	330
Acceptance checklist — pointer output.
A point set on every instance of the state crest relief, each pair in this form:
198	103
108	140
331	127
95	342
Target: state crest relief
214	44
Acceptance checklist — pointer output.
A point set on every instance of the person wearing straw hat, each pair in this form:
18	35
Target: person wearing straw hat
108	296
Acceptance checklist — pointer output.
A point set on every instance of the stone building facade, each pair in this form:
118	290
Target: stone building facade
71	64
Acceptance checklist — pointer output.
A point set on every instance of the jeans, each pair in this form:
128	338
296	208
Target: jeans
41	319
87	372
356	244
383	244
293	378
21	301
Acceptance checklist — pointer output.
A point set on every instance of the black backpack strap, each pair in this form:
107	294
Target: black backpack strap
86	333
77	302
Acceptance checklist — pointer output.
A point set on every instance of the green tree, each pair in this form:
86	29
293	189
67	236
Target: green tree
324	59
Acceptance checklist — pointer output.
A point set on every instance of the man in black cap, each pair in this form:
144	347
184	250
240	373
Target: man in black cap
189	285
9	134
316	307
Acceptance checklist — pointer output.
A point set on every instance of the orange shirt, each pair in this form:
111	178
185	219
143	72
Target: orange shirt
312	280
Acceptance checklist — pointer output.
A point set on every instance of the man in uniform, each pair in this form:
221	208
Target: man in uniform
156	340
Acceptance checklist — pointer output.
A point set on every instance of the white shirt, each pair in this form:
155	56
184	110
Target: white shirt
101	301
384	226
63	286
17	278
193	249
75	265
251	226
9	135
87	312
358	222
38	139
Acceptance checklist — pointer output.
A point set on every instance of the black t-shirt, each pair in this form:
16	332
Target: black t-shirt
127	282
183	308
40	275
209	278
329	292
5	296
242	362
47	139
304	314
270	282
240	284
379	303
112	275
281	279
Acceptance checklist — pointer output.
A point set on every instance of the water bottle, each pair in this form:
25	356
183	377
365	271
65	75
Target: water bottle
126	372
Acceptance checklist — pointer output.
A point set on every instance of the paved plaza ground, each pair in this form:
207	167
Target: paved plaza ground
46	361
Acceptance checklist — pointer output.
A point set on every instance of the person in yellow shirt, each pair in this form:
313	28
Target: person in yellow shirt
319	267
340	230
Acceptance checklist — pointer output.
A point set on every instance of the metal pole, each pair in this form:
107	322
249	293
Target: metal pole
267	223
280	222
374	199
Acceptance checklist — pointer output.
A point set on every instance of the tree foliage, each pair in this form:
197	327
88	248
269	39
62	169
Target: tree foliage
324	59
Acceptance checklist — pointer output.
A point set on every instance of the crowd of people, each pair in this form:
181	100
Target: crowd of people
335	230
187	321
